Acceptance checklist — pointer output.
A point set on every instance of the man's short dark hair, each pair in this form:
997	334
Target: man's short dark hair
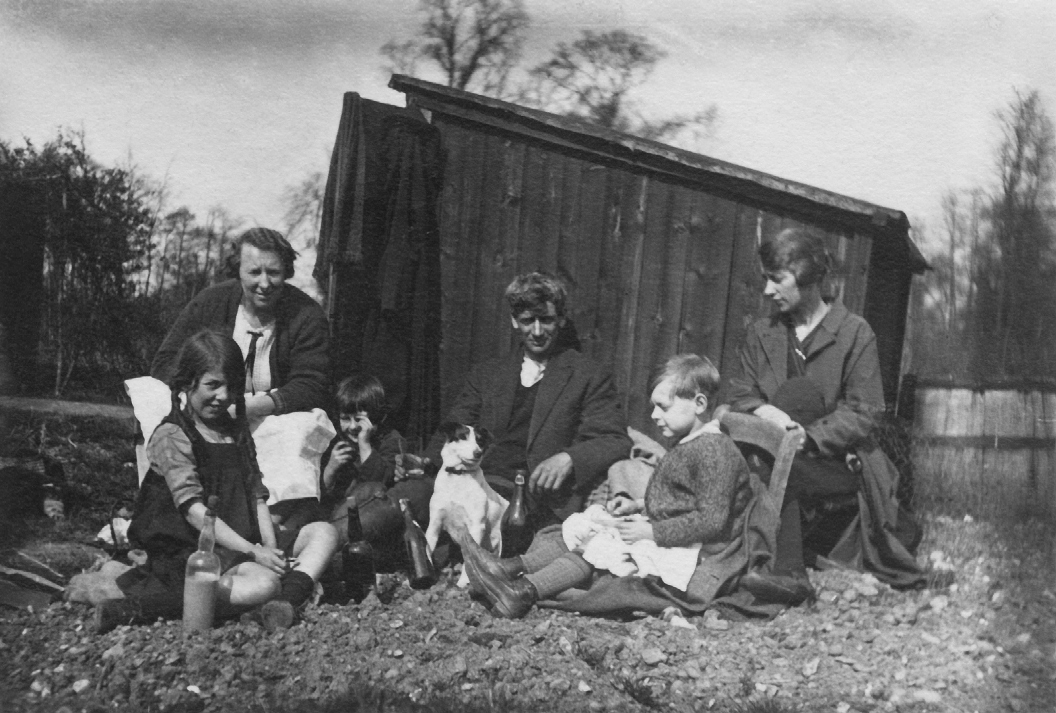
531	292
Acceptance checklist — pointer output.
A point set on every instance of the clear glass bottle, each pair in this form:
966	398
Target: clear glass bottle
202	576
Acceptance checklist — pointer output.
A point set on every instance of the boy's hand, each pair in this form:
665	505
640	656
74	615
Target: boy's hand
633	530
365	430
343	452
409	465
621	505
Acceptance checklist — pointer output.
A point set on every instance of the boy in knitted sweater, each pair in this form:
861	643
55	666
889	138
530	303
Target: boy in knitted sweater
697	495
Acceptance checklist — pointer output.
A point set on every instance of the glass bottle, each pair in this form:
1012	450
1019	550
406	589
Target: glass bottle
515	533
419	564
202	576
357	561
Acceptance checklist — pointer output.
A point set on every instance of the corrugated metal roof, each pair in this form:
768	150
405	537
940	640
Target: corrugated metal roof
577	134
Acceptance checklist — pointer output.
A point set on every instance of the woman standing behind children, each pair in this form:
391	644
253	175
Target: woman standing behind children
699	494
201	450
360	474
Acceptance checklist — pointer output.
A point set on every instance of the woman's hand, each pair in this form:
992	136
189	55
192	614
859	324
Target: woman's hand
622	505
268	558
633	530
343	452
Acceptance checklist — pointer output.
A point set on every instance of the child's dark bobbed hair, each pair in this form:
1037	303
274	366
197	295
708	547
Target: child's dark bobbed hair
207	351
362	392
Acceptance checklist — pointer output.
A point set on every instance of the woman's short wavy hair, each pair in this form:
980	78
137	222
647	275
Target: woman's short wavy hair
531	292
265	240
803	254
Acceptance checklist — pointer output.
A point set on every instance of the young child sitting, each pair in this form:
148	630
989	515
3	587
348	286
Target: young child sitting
200	450
698	496
360	473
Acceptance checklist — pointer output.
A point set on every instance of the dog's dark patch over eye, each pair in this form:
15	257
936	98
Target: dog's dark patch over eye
454	431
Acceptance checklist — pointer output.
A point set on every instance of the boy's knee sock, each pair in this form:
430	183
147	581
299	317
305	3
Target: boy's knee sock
297	587
547	547
568	571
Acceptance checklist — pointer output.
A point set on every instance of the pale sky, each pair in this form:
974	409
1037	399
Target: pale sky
232	100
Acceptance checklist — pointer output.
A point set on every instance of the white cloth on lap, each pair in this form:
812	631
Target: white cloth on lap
289	446
591	534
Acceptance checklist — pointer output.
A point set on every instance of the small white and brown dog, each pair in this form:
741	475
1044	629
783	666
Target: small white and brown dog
463	503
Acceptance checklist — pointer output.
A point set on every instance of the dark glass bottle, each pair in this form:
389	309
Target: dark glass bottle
515	533
357	563
419	564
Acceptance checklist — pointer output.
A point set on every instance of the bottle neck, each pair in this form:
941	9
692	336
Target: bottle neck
207	537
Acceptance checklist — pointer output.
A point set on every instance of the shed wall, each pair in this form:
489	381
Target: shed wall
655	266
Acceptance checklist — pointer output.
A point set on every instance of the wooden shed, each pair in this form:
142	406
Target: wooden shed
657	244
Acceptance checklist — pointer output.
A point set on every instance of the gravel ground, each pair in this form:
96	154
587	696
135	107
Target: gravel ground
984	644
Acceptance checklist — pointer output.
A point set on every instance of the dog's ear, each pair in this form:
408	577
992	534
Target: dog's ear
451	430
484	437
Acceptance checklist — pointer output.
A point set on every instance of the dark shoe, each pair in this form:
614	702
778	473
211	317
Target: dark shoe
788	589
276	615
510	598
112	613
510	567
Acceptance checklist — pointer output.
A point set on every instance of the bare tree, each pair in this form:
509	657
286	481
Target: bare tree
304	208
594	77
1014	280
474	43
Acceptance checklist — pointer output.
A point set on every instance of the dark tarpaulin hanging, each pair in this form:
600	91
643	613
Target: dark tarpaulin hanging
379	254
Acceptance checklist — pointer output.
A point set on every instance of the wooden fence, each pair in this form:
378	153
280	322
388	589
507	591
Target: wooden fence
986	449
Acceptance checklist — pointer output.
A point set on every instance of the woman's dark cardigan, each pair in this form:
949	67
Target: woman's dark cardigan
299	358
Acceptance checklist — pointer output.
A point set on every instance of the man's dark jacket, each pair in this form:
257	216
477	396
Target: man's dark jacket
577	411
300	355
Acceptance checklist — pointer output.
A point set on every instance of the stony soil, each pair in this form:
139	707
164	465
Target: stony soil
987	643
984	644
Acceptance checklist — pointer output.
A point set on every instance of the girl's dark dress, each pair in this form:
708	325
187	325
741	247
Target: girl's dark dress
227	470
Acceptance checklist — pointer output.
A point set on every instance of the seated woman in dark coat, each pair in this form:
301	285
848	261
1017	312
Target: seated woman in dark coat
281	331
814	365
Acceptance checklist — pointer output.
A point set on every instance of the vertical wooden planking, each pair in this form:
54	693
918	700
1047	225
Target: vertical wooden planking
486	314
453	323
590	256
701	319
745	302
1047	465
569	232
656	246
553	200
533	209
632	219
610	292
711	258
513	159
854	270
676	266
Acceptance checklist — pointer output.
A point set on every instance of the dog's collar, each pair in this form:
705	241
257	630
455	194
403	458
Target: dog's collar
461	471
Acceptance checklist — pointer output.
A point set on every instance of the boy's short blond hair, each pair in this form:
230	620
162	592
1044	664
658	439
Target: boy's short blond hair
690	375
